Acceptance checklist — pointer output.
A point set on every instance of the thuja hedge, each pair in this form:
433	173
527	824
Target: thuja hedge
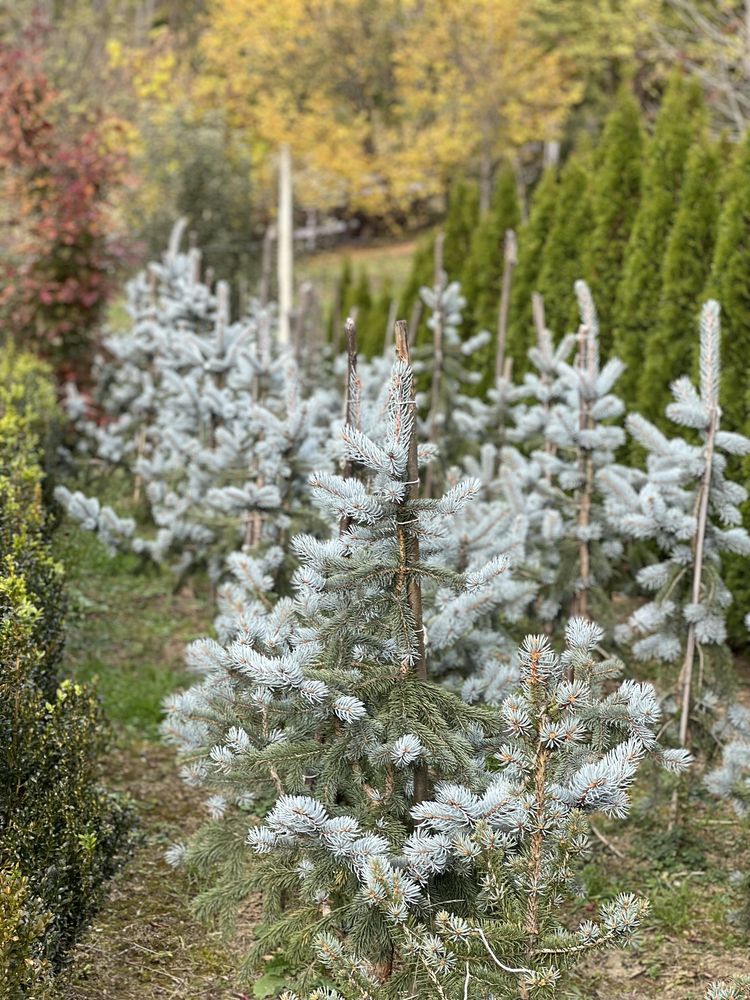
59	829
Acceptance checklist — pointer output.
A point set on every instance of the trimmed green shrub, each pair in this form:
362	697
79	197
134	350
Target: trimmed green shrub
23	921
59	830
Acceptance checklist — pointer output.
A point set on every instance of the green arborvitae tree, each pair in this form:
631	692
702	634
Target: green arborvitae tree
482	274
342	293
461	220
371	327
359	298
562	257
531	240
422	275
615	193
640	289
686	266
729	284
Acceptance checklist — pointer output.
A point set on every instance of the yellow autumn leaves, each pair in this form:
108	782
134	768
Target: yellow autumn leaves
381	100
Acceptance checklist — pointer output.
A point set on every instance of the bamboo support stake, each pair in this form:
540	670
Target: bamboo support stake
266	265
536	844
586	360
195	264
510	259
408	544
686	673
388	339
438	358
414	320
285	259
175	238
352	415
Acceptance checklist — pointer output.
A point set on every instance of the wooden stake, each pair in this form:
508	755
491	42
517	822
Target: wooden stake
586	467
686	674
266	264
286	245
388	340
408	544
175	238
510	260
437	353
352	416
414	321
195	264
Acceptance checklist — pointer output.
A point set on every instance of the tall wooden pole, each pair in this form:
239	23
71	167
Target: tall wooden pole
408	544
286	245
437	358
510	259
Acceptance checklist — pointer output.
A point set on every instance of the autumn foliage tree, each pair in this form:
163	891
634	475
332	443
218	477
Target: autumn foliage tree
56	175
415	92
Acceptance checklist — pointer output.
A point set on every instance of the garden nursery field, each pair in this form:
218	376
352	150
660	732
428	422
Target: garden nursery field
374	500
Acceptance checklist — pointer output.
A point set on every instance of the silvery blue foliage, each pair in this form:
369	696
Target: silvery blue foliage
265	674
663	506
454	419
542	390
731	780
734	989
568	745
581	438
207	416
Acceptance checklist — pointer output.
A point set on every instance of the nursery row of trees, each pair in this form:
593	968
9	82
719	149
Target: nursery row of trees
423	774
656	220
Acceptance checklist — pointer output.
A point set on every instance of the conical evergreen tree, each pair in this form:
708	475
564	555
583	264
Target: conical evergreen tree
421	276
460	222
729	284
616	190
531	241
359	298
482	274
686	266
640	289
341	294
372	326
562	257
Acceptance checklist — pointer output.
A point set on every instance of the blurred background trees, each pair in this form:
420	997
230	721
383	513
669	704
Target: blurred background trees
397	112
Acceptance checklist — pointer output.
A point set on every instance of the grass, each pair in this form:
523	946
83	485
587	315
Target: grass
126	631
384	263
